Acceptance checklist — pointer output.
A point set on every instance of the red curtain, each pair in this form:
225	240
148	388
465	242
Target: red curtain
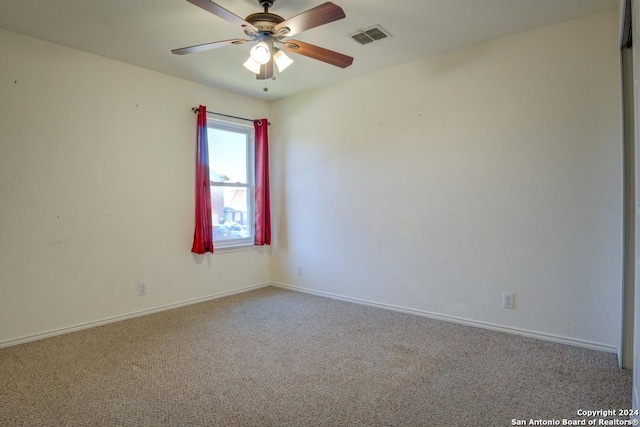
263	215
203	234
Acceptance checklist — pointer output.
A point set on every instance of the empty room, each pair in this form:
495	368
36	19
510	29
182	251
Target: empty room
296	213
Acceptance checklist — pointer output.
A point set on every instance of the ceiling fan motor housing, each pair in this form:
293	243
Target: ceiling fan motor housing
265	22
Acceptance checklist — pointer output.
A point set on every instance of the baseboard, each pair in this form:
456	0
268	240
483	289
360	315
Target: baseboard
132	315
423	313
459	320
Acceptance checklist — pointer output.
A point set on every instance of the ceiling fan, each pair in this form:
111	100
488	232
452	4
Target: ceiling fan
269	30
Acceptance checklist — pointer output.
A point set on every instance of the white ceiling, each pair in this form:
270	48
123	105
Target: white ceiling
143	32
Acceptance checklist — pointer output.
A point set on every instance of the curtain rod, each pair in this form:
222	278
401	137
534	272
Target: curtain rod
196	110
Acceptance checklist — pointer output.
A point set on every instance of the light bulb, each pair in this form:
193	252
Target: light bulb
260	53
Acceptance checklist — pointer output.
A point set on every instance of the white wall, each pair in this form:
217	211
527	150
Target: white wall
437	185
433	186
96	190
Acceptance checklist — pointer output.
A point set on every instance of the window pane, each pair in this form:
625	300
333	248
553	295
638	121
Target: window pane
227	156
231	214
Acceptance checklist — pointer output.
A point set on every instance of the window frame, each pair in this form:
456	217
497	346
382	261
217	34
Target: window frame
249	132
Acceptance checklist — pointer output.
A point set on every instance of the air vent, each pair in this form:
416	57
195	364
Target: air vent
370	34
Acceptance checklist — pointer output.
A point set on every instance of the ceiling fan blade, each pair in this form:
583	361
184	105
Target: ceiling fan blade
319	15
208	46
319	53
266	71
223	13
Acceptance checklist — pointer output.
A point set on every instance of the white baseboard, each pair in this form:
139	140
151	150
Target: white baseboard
87	325
453	319
460	320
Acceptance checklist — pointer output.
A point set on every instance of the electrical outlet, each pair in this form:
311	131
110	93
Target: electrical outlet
142	288
507	300
300	270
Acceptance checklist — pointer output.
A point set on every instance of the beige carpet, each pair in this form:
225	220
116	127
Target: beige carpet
272	357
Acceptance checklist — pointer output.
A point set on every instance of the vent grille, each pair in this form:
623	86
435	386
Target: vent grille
370	35
362	38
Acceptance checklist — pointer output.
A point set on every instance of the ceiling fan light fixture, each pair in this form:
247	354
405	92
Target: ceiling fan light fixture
260	53
252	66
266	28
282	60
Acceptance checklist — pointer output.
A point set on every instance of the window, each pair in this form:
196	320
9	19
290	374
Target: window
231	172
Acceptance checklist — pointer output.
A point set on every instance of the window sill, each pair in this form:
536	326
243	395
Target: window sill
233	248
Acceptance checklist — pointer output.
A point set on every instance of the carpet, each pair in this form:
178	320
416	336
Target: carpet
273	357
